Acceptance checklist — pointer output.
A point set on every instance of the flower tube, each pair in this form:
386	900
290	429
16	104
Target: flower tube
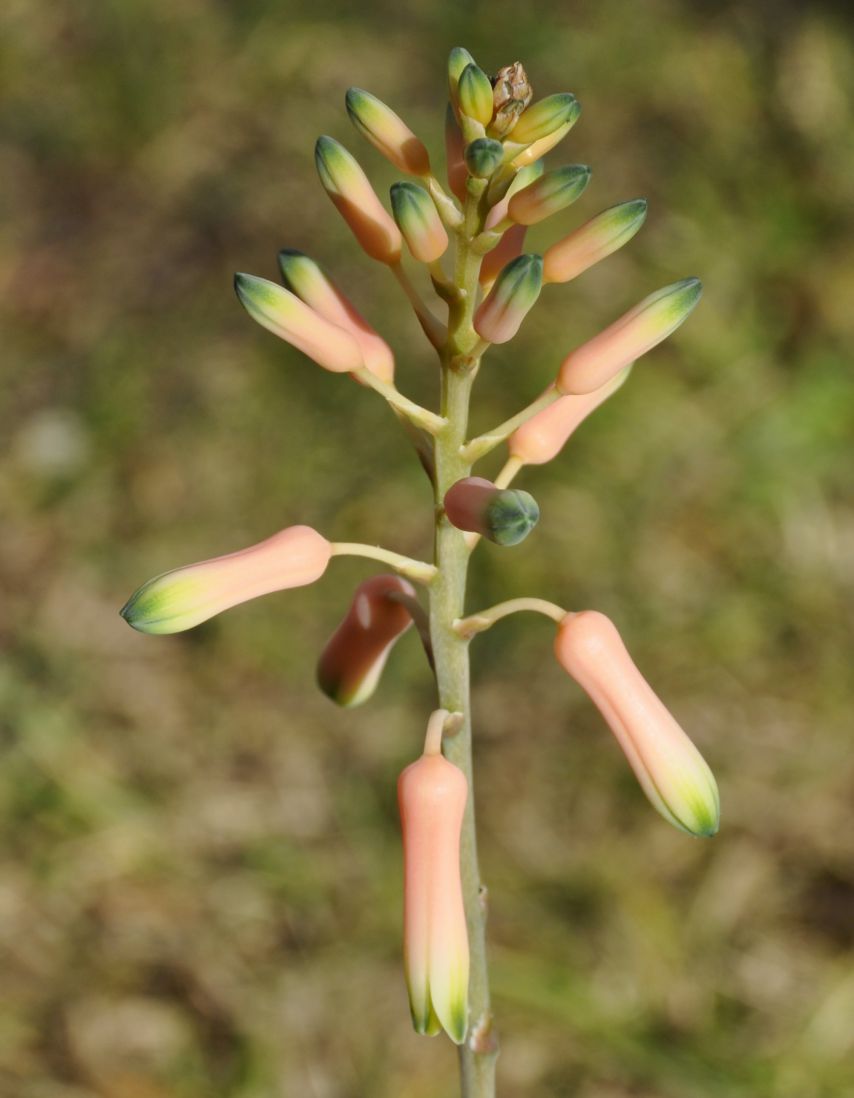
545	117
387	132
598	238
417	218
671	771
549	194
350	665
184	597
474	94
510	300
432	795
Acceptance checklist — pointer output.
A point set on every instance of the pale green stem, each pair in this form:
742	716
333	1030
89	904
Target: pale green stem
485	619
508	472
483	444
422	417
418	570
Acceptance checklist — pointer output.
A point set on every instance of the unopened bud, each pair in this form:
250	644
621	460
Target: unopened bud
458	60
455	155
544	435
184	597
283	314
508	248
432	795
305	278
474	94
594	363
671	771
548	195
357	202
596	239
418	220
510	299
545	144
353	660
545	117
503	515
511	94
483	156
387	132
520	180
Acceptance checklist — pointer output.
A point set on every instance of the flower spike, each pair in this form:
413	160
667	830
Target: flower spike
184	597
387	132
671	771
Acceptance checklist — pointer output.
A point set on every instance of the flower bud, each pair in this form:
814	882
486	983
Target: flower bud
184	597
432	795
353	660
458	60
670	769
595	362
503	515
305	278
511	94
510	299
474	94
545	117
283	314
539	148
387	132
483	156
507	249
549	194
520	180
593	241
357	202
544	435
418	220
455	155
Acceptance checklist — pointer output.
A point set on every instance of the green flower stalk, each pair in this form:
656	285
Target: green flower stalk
470	240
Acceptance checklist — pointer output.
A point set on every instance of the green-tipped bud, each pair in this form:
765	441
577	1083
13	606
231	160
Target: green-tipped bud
595	362
511	94
545	116
539	148
510	299
387	132
474	95
546	196
483	156
356	201
503	515
458	60
596	239
418	220
499	212
286	316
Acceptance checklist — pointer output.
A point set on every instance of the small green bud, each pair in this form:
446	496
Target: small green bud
474	94
503	515
511	298
419	222
546	196
458	59
483	156
546	116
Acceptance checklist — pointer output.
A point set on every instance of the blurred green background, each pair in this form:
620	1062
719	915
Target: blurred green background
199	856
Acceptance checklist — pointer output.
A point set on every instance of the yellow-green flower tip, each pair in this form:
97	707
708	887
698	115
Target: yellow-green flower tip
387	132
545	117
305	278
511	298
287	316
598	238
458	59
419	221
549	194
636	332
670	769
184	597
539	148
474	94
483	156
356	201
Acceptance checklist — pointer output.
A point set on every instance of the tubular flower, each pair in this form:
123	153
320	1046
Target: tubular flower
432	795
548	195
350	665
599	237
670	769
387	132
595	362
184	597
503	515
418	220
356	201
474	94
539	148
544	118
305	278
544	435
510	300
285	315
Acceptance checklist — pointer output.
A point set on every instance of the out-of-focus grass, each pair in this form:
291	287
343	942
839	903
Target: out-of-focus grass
199	869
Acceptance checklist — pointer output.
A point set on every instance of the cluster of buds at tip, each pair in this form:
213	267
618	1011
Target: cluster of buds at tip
184	597
671	771
593	364
503	515
350	665
510	300
417	218
432	795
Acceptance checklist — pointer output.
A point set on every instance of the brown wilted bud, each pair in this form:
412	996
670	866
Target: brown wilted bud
511	94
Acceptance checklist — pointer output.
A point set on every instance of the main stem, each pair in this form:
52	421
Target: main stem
477	1055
